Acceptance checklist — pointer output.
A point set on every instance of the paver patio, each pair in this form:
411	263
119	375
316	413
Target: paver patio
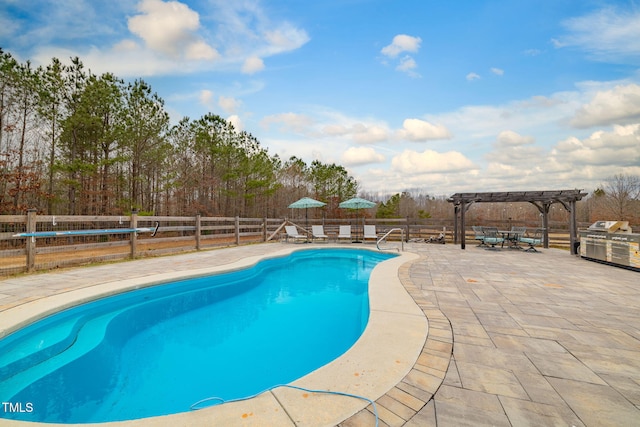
515	338
538	338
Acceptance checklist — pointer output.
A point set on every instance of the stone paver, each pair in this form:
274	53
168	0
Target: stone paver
515	339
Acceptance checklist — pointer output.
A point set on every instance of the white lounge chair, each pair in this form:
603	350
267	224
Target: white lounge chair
292	232
370	233
344	232
318	233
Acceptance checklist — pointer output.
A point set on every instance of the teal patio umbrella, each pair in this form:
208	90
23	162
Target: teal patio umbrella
306	203
357	203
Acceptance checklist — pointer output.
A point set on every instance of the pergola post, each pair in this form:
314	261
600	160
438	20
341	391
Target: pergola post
545	223
456	208
463	234
573	227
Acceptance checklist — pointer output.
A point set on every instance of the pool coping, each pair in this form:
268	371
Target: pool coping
386	364
405	403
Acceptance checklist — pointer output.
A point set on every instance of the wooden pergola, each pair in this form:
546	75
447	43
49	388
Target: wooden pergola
540	199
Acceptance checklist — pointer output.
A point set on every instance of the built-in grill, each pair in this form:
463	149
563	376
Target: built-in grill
611	241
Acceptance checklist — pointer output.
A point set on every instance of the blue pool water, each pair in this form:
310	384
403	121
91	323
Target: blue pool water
158	350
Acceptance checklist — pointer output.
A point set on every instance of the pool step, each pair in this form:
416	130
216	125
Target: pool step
82	338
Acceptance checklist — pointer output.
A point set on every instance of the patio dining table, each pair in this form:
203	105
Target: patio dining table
511	236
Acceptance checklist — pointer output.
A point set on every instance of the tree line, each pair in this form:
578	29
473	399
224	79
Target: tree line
76	143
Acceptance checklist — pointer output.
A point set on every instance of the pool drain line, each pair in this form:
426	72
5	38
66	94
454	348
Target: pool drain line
220	400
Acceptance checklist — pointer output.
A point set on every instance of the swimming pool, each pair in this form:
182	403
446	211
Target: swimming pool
146	331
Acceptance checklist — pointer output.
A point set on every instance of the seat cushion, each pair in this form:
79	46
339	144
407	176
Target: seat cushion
530	241
493	240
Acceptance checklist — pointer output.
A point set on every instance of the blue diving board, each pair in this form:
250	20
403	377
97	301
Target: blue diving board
152	230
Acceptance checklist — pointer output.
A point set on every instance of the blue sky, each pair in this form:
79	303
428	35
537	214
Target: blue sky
440	96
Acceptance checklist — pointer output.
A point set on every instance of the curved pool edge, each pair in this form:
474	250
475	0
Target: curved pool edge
387	350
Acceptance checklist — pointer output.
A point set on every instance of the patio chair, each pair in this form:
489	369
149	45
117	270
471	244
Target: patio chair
514	236
478	235
317	231
370	233
491	237
344	232
536	240
292	232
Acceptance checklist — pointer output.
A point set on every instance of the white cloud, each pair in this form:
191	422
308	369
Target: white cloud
171	37
618	148
529	115
567	145
608	34
429	161
514	150
125	59
285	38
497	71
126	45
421	130
472	76
510	138
619	105
366	134
199	50
8	27
331	125
401	43
408	65
252	65
236	122
229	104
354	156
404	43
335	130
170	28
524	144
206	98
298	123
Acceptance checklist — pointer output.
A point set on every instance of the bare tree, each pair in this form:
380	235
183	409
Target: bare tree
619	197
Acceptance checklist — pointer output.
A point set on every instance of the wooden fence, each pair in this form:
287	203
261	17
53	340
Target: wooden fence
53	247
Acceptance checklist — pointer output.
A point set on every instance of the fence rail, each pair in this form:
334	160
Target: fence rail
175	235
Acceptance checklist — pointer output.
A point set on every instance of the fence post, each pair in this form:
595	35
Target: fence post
198	225
408	229
134	236
237	230
264	229
31	241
